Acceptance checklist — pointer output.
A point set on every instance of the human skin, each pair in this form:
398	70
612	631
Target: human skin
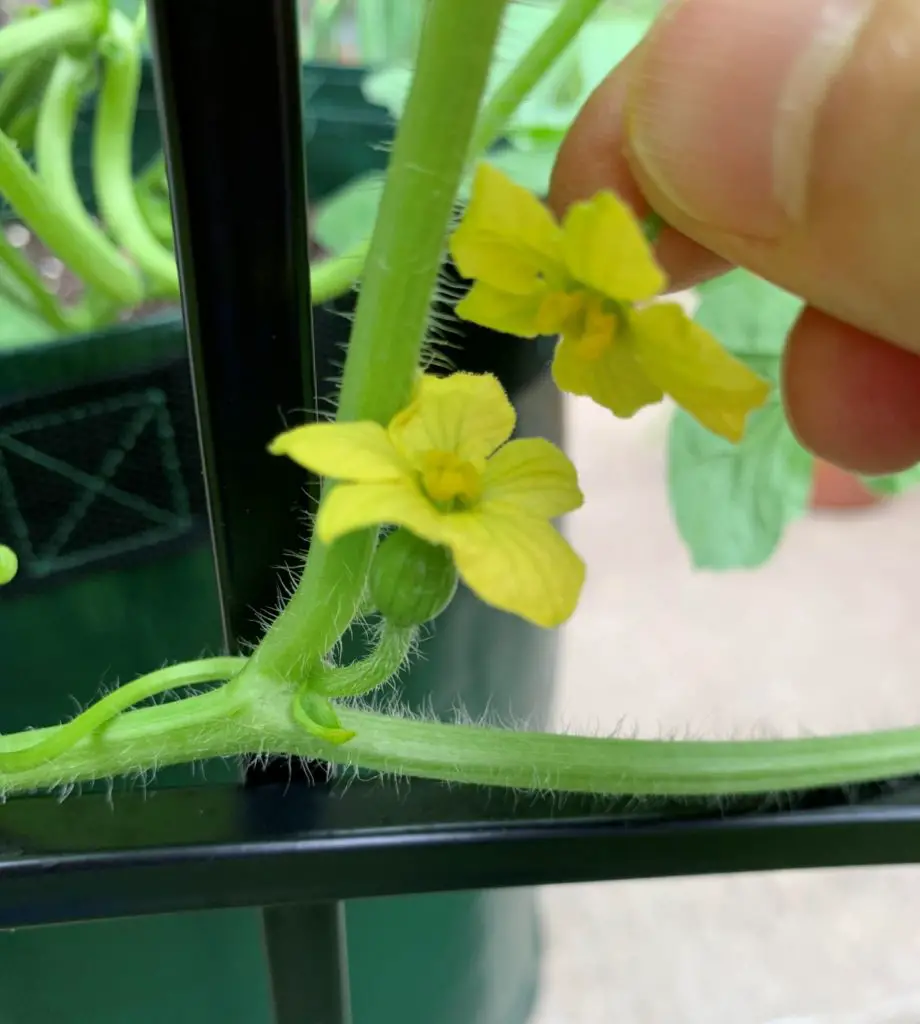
784	136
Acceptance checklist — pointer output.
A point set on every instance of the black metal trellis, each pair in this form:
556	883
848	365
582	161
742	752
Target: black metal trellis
297	850
240	212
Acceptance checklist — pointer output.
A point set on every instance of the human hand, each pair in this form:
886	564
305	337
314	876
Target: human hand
784	136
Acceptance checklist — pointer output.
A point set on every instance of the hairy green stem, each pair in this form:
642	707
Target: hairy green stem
73	25
112	171
211	725
389	654
405	255
56	742
504	102
50	202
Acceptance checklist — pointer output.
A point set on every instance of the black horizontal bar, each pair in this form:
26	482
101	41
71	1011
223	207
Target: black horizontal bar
196	849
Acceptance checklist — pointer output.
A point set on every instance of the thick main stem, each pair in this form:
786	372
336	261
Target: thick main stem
201	727
392	314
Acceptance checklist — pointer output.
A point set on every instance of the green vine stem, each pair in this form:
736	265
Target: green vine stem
41	300
546	49
12	290
406	250
73	25
157	215
52	743
154	178
22	86
335	276
391	648
49	202
345	271
223	724
112	171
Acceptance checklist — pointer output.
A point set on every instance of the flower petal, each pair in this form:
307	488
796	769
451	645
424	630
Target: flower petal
517	563
507	237
344	451
466	413
606	250
690	365
531	475
600	363
349	507
501	311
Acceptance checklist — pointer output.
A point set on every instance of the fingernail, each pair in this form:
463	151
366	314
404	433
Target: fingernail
723	111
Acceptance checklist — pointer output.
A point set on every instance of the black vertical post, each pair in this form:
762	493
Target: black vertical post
228	79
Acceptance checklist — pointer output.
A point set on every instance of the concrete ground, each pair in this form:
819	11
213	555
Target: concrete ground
823	639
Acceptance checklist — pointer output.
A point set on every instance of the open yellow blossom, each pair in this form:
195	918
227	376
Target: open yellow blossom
590	279
445	469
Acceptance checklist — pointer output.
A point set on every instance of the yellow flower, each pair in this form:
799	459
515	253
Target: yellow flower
591	280
445	469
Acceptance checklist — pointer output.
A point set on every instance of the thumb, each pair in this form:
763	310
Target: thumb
784	135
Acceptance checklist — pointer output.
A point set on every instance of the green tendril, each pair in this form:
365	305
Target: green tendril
61	739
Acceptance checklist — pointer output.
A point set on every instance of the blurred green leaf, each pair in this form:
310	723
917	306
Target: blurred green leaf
609	38
893	483
388	88
732	503
528	167
751	317
346	218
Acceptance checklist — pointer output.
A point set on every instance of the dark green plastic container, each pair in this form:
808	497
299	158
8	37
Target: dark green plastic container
130	585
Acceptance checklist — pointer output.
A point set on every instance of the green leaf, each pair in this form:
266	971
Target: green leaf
732	503
751	317
346	218
893	483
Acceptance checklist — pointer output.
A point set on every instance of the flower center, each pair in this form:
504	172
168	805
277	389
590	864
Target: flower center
557	308
446	479
598	329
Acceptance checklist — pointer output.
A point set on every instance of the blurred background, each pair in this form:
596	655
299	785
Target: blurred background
820	640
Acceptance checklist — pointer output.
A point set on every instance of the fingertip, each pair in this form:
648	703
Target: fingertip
852	398
593	158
